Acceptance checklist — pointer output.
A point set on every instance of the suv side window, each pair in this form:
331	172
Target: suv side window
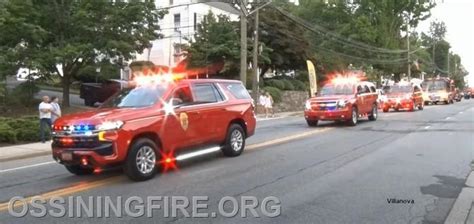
366	89
206	93
416	89
182	96
372	89
360	90
237	90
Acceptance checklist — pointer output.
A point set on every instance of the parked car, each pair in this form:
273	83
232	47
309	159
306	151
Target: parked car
152	125
343	99
96	93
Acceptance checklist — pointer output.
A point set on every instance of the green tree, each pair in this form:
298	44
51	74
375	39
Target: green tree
61	37
216	43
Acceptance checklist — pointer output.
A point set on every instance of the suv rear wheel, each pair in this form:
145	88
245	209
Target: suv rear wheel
79	170
421	106
141	162
374	114
235	141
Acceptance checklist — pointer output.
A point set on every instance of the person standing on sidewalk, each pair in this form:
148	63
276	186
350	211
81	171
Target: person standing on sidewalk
45	109
269	105
262	99
56	112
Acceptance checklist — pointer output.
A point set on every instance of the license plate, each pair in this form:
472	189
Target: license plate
66	156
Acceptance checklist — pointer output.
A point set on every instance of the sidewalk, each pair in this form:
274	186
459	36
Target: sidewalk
463	209
261	117
16	152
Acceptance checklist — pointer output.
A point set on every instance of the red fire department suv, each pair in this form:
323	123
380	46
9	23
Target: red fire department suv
156	123
403	96
342	99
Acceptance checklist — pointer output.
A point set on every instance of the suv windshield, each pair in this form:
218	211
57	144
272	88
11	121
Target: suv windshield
435	85
398	89
137	97
329	90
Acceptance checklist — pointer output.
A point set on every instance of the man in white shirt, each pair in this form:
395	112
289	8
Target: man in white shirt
45	109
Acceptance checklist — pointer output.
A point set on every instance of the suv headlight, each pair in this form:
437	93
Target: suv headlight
341	103
109	125
307	105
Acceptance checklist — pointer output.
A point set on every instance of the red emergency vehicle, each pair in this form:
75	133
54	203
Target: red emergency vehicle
403	96
155	124
343	98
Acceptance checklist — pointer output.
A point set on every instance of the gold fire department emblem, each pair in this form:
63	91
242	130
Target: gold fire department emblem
183	118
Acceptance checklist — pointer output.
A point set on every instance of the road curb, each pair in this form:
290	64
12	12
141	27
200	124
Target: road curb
30	155
462	206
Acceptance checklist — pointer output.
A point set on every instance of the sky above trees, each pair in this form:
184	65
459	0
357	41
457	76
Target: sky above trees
459	19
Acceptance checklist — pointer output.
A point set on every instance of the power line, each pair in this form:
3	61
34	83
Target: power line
321	30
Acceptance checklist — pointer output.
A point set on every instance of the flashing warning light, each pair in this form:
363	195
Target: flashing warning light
168	78
344	80
84	161
168	162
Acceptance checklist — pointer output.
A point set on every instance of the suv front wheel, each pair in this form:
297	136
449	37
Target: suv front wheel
354	117
141	162
235	141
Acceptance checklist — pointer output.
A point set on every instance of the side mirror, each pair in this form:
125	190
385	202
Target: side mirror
176	102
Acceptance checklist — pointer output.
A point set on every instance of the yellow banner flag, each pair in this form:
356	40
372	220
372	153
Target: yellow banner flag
312	78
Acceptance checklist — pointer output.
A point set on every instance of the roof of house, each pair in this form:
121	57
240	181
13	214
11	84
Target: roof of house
224	6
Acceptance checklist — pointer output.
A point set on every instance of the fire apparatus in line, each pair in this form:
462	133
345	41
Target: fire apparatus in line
438	90
403	96
155	124
343	98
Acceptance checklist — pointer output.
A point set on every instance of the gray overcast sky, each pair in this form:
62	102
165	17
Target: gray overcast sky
458	15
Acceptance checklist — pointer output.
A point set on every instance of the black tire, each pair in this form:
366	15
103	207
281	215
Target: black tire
147	152
354	117
374	114
79	170
312	123
421	106
235	141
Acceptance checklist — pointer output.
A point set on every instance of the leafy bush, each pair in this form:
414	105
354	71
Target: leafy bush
279	84
274	92
25	129
299	85
288	85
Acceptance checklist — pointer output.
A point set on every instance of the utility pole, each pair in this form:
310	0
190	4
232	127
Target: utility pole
243	41
256	77
448	64
408	50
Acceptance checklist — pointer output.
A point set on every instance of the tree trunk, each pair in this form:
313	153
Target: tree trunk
66	84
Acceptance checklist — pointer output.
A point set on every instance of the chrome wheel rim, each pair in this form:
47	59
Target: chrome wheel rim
374	112
354	116
146	159
236	140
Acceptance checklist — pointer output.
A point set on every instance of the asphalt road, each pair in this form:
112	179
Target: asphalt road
328	174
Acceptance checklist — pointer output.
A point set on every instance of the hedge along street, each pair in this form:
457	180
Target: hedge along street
25	129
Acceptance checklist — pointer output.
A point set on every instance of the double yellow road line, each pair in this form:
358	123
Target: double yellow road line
84	186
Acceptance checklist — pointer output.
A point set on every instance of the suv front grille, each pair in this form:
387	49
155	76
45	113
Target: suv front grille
76	142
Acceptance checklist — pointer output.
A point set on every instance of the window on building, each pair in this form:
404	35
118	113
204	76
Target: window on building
177	20
171	2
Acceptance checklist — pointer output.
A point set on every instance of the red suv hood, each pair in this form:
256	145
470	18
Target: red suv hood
106	114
